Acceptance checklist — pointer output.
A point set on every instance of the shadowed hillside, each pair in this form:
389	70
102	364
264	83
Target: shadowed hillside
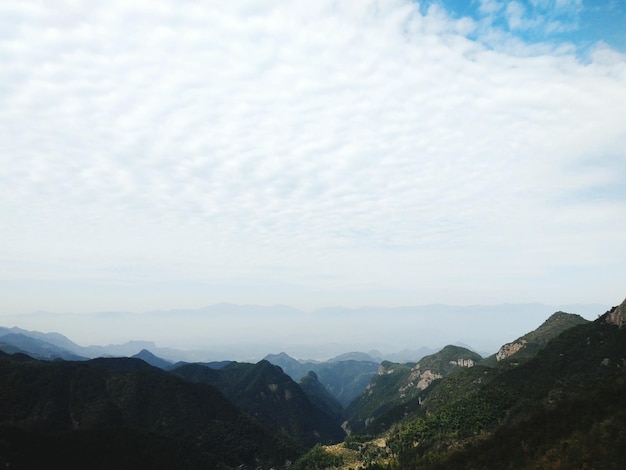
61	404
272	397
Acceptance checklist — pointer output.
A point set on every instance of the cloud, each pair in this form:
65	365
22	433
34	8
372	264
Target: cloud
546	16
366	143
489	7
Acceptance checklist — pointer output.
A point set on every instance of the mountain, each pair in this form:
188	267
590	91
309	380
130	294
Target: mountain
55	339
564	405
526	346
410	355
396	384
319	395
553	398
153	360
40	349
129	409
452	387
212	364
356	329
585	430
344	379
50	346
354	356
272	397
292	367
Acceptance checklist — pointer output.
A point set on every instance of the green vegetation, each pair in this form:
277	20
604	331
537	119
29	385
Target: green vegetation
319	396
60	405
531	343
356	441
394	393
382	393
585	431
565	406
264	391
317	459
345	378
560	404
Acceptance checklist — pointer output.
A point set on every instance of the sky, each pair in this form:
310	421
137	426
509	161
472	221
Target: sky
175	154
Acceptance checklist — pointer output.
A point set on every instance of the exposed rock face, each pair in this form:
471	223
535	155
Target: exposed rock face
617	315
463	362
526	346
419	379
426	379
382	370
509	349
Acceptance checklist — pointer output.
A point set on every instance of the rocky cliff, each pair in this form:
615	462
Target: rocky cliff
617	315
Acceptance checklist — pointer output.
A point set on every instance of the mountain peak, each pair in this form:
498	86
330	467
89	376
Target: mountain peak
311	375
153	360
354	356
531	342
144	353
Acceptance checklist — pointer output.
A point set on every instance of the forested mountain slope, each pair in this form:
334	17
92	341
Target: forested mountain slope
134	410
582	368
271	396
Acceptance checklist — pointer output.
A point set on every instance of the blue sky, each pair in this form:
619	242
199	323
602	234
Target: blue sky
583	23
170	154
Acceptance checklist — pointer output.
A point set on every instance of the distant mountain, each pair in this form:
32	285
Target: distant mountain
56	346
55	339
404	328
129	409
354	356
119	350
272	397
344	379
153	360
37	348
410	355
395	384
292	367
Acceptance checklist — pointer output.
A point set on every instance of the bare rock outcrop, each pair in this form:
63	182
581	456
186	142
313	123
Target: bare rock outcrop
509	349
617	315
463	362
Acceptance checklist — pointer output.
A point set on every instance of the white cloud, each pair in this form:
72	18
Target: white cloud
490	7
546	16
361	143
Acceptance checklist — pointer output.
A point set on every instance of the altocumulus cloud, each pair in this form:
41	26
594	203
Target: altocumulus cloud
309	152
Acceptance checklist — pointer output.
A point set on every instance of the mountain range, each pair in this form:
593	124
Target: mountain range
552	398
243	332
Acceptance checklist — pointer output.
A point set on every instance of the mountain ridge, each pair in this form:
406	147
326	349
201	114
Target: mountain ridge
446	402
387	329
528	344
271	396
66	399
396	384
